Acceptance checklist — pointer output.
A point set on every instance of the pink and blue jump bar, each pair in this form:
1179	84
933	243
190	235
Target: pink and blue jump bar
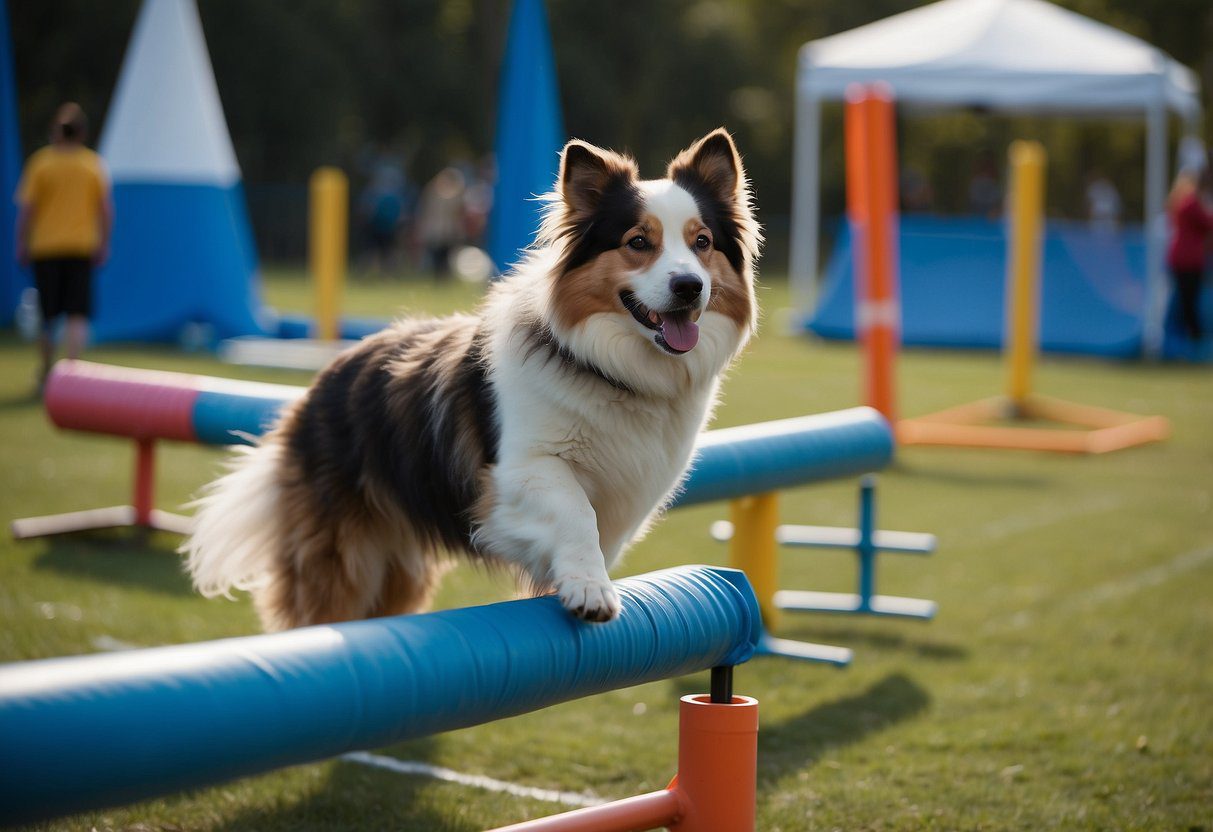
728	463
153	404
146	405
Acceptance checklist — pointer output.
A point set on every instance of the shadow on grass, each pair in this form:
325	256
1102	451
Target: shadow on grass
29	400
800	741
357	796
127	557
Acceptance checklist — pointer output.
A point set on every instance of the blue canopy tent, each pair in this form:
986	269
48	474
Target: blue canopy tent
529	133
952	295
1006	56
953	288
182	251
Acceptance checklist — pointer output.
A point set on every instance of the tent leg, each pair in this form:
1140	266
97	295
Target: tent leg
805	206
1154	320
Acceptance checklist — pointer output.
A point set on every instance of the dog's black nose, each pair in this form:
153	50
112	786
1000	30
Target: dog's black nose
686	286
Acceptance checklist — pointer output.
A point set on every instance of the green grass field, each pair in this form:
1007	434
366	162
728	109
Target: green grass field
1066	684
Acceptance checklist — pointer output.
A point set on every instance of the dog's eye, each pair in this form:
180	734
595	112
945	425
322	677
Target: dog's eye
638	243
702	242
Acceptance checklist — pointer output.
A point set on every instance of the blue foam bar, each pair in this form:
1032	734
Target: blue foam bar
768	456
226	418
728	463
91	731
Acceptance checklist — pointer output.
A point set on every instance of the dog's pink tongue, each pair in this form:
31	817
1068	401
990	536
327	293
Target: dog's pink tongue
680	332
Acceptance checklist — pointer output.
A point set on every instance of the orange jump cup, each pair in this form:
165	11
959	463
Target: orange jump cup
713	792
717	764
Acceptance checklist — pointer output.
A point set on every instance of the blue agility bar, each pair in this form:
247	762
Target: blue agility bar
91	731
769	456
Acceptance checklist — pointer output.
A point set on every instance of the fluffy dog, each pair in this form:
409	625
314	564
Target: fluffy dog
543	433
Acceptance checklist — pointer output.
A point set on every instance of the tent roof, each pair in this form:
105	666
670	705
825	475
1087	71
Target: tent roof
1003	54
166	123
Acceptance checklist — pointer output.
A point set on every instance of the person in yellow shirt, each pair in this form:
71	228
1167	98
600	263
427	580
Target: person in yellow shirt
65	214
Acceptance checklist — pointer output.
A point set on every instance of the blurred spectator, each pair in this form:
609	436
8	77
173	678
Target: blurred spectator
985	192
64	218
384	207
1191	223
440	218
1190	155
478	201
1103	203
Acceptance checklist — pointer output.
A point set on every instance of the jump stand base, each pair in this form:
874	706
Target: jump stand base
292	354
836	537
1093	430
865	541
141	515
753	551
714	790
804	651
654	810
98	519
890	606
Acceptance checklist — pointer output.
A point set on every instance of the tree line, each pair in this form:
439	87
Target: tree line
311	82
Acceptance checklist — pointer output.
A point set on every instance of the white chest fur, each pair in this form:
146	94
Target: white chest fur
590	459
627	454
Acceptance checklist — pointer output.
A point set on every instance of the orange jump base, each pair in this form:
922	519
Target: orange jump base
1096	430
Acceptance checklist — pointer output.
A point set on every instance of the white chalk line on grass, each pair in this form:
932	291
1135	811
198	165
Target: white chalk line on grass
411	767
1043	518
1112	590
478	781
1147	578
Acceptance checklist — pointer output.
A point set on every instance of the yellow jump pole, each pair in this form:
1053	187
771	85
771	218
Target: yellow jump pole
328	221
1023	269
752	549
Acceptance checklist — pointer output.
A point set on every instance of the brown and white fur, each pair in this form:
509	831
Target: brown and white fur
542	433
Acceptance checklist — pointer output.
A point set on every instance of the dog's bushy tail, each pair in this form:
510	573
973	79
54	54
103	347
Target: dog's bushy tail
237	532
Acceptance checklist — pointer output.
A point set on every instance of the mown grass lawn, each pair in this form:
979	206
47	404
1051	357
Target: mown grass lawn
1066	684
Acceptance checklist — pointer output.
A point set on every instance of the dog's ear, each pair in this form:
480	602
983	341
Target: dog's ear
714	164
710	170
586	172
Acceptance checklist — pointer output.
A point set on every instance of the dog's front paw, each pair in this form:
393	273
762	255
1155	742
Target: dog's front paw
592	599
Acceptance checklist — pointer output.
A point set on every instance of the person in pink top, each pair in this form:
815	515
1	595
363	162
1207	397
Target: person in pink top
1191	232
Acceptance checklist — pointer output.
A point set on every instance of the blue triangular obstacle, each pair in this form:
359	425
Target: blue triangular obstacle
12	278
182	247
529	133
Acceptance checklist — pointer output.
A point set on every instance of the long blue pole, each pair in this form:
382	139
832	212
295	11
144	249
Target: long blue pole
770	456
86	732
